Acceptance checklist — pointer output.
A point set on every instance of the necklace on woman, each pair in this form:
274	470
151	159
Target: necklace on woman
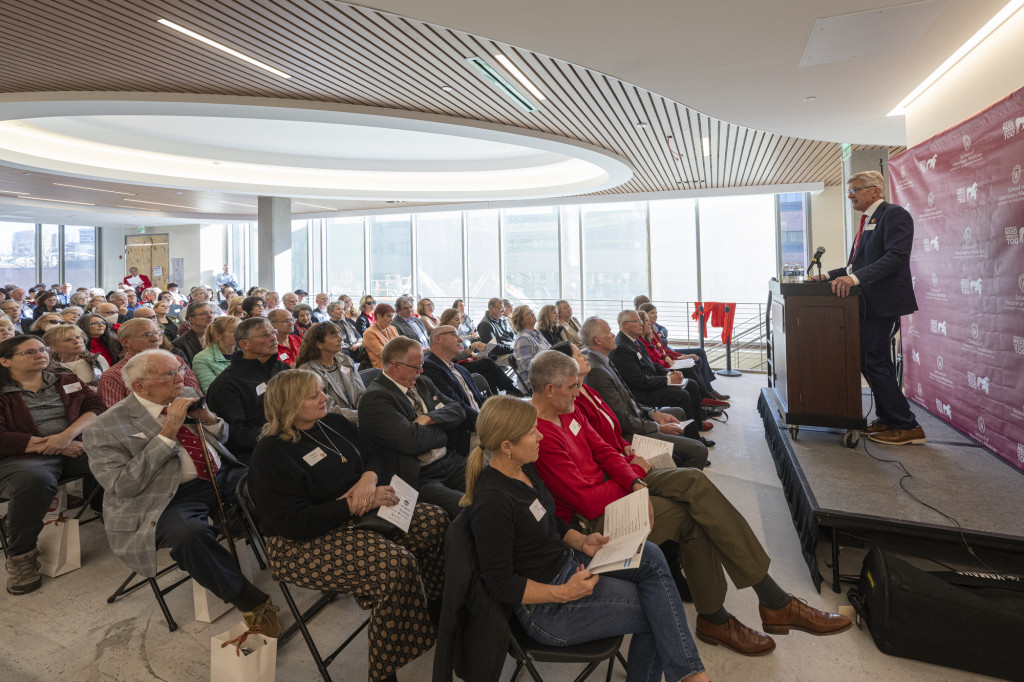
328	368
332	447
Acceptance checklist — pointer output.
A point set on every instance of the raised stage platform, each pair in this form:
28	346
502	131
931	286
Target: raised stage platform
835	490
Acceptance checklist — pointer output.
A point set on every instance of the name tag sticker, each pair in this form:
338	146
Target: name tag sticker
638	356
574	426
870	226
538	510
72	388
261	389
283	357
439	406
313	457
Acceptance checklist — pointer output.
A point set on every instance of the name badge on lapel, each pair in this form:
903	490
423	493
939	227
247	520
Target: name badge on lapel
261	389
574	426
872	224
72	388
638	356
538	510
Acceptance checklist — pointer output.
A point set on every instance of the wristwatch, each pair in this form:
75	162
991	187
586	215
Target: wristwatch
639	480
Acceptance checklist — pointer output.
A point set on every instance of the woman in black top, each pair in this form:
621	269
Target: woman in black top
313	486
531	559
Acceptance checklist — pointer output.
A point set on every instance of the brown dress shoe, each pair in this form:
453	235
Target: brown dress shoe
894	436
877	427
736	636
799	616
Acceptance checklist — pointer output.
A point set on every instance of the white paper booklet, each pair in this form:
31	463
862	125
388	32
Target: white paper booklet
401	513
658	453
683	363
628	524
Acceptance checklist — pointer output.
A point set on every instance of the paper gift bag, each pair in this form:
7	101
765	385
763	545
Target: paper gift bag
240	656
208	606
58	506
60	550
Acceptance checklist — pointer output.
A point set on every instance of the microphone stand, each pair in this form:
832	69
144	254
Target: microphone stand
216	488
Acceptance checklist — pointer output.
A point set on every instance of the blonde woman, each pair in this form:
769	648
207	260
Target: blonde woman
316	517
71	314
45	321
67	350
528	342
379	333
6	328
218	345
534	562
549	326
425	309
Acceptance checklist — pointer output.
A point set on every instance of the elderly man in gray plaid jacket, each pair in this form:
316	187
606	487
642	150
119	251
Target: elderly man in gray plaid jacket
157	486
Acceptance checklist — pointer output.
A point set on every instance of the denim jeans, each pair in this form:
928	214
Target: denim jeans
642	601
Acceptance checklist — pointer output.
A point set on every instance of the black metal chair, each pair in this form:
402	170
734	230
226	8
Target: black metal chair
526	652
368	375
248	509
60	484
482	384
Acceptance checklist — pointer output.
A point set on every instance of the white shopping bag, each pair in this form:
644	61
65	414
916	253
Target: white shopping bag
237	656
60	550
58	506
209	607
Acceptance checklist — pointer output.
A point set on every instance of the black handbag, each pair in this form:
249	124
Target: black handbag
374	524
968	621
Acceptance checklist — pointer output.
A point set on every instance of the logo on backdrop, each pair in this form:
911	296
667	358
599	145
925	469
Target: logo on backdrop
1011	127
970	287
981	424
913	281
915	356
1020	283
1018	345
938	362
1020	452
967	235
931	199
935	281
965	194
931	244
938	327
1014	235
942	408
977	383
967	143
1016	174
926	165
920	390
974	330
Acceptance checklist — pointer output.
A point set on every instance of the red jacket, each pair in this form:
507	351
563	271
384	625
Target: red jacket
17	425
146	284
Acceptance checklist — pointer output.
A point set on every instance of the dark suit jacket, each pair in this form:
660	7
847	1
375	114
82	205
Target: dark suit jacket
412	328
448	385
386	423
635	368
188	344
882	263
500	330
633	417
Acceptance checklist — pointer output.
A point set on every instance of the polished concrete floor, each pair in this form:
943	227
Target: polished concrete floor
67	631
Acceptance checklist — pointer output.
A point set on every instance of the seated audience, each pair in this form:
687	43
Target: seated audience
237	392
42	415
473	356
288	343
136	336
351	341
234	308
219	345
46	302
425	309
698	354
549	326
273	300
288	301
529	341
532	560
198	315
366	316
71	314
403	417
12	310
117	303
592	408
495	327
585	474
162	308
100	336
506	308
253	306
455	382
465	326
650	384
67	352
408	324
320	313
650	342
313	514
570	325
158	490
44	322
634	418
321	353
303	319
79	298
6	328
379	333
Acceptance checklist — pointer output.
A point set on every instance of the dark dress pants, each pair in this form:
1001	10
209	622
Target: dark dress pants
29	483
876	364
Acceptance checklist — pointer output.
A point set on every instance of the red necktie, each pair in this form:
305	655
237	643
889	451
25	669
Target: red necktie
853	253
194	447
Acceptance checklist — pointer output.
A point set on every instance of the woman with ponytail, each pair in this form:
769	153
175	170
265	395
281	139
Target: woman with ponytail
532	560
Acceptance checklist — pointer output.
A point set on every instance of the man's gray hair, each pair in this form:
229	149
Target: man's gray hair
397	350
870	179
551	367
625	316
588	330
402	300
138	366
195	306
441	329
248	327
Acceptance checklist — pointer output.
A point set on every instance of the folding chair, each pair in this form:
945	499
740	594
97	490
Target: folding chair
482	384
526	651
368	375
248	509
81	510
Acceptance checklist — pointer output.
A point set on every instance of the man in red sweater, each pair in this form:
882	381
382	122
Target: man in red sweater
584	474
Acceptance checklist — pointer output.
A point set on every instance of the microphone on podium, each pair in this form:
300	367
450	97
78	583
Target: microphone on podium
816	259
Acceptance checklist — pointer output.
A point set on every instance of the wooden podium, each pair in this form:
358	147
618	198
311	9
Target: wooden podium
814	355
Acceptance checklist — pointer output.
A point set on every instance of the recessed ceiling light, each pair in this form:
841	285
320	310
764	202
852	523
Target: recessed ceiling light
447	88
502	85
138	208
810	98
234	203
157	203
705	145
299	203
94	189
641	126
995	22
59	201
223	48
520	76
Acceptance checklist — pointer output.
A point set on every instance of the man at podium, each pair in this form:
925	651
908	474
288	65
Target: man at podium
880	263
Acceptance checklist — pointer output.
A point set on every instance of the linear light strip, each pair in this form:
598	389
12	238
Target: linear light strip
223	48
11	191
995	22
520	76
503	85
59	201
94	189
140	208
235	203
328	208
157	203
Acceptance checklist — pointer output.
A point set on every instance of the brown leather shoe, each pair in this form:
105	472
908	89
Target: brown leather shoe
877	427
894	436
799	616
736	636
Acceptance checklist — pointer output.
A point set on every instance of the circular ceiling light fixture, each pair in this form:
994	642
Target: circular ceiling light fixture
300	149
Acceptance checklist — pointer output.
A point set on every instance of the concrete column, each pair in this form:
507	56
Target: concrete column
275	243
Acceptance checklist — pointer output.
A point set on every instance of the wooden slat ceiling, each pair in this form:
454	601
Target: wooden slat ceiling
341	53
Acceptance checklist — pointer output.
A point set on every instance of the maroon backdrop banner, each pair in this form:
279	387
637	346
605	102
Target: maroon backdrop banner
963	351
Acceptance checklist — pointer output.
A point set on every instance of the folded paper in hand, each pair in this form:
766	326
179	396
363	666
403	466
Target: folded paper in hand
401	513
683	363
658	453
627	523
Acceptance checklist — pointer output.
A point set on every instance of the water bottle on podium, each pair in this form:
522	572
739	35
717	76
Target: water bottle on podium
787	272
